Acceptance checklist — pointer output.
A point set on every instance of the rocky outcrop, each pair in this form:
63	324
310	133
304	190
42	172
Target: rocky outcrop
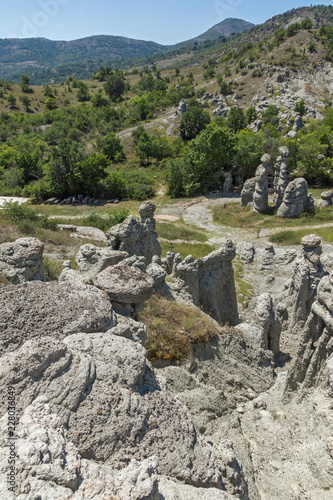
38	309
137	237
22	260
326	199
185	286
227	183
267	257
301	291
217	293
295	199
246	251
255	126
260	195
313	361
268	323
127	286
281	176
247	192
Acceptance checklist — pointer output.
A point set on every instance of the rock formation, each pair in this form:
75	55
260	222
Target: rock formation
137	237
247	192
260	195
268	322
301	291
326	199
22	260
246	251
217	293
281	176
227	183
295	199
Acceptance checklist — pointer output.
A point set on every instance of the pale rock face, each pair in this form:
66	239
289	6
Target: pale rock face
295	199
22	260
247	192
302	289
137	237
227	183
268	322
246	251
326	199
37	309
260	195
217	293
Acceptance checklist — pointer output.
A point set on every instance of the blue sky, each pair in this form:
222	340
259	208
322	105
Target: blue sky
166	22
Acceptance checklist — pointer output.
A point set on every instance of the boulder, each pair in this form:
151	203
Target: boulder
298	123
326	199
295	199
37	309
246	251
91	260
227	183
255	126
22	260
260	195
125	284
137	237
247	192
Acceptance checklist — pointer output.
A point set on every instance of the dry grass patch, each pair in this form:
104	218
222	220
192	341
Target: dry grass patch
173	328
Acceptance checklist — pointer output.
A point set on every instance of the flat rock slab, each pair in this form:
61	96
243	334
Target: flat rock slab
125	284
56	309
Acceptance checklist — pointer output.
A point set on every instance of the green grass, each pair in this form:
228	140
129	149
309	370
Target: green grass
197	250
232	214
178	231
295	237
173	328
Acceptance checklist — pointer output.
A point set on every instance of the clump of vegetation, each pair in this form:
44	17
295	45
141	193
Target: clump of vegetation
174	328
26	219
105	222
295	237
197	250
175	231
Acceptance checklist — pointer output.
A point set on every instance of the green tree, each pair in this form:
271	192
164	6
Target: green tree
193	121
98	101
83	92
251	114
115	86
293	29
306	24
271	115
25	81
236	119
48	92
12	101
50	103
148	147
300	107
111	147
26	102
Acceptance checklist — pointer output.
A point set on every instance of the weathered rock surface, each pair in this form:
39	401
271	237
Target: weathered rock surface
137	237
326	199
125	284
295	199
260	195
246	251
227	183
38	309
267	257
247	192
281	176
22	260
217	293
268	323
302	289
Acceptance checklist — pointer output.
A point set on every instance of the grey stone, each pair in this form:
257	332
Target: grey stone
298	123
326	199
246	251
217	293
295	199
137	237
227	183
268	322
260	195
22	260
91	260
291	135
267	257
37	309
247	192
281	176
125	284
255	126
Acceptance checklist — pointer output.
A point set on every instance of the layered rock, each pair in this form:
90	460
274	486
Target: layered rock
217	293
302	289
295	199
22	260
137	237
247	192
246	251
268	322
281	176
260	195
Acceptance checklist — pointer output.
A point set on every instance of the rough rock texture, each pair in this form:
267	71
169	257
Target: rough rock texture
125	284
295	199
137	237
246	251
260	195
185	287
313	361
298	123
113	408
267	257
38	309
326	199
247	192
302	288
255	126
22	260
158	273
268	323
217	293
281	176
